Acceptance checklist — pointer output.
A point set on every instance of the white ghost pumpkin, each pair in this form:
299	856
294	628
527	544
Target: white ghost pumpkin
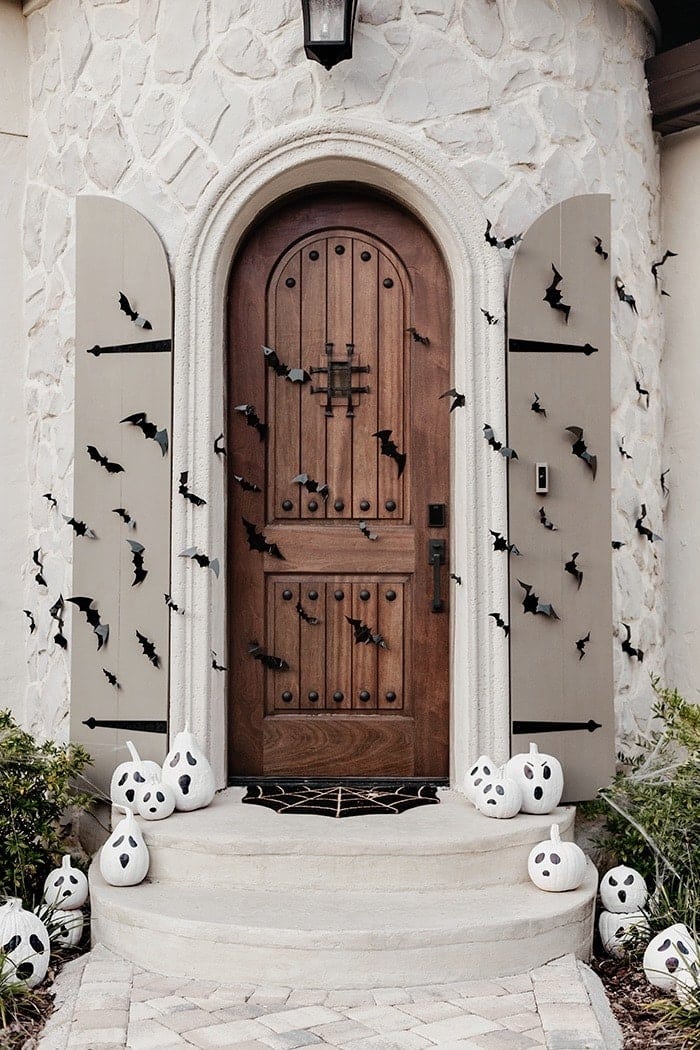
613	925
124	858
555	865
667	954
541	780
155	800
129	775
66	887
25	944
65	927
688	986
483	767
187	771
499	796
623	889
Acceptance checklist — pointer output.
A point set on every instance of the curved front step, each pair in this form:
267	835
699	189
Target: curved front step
343	937
445	846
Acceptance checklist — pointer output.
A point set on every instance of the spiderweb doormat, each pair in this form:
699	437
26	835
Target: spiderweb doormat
339	800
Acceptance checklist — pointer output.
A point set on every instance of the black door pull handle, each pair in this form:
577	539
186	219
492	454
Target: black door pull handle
436	558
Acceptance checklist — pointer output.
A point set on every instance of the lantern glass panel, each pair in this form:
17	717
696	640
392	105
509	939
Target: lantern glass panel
326	21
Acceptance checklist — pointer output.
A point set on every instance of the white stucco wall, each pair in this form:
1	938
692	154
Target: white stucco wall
531	101
680	175
13	419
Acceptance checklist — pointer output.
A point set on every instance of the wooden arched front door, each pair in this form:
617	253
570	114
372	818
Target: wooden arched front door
338	641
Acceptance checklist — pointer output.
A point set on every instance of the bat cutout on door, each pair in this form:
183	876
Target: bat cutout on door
294	375
306	617
52	500
219	444
581	645
80	528
203	560
498	446
642	529
617	544
247	486
123	513
554	297
252	420
580	449
490	319
366	531
133	315
641	391
56	613
655	268
508	242
273	663
390	448
599	249
137	550
627	646
172	606
216	666
662	479
458	400
624	296
99	629
183	489
111	678
537	407
96	455
622	450
500	622
532	604
39	576
546	522
148	648
573	570
500	543
257	542
417	337
32	622
148	429
364	635
311	486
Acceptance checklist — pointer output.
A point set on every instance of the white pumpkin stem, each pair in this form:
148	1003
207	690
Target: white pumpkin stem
66	862
126	810
554	834
135	757
14	903
534	750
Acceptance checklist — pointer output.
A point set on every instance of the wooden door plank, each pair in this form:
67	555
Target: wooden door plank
313	355
365	320
283	395
312	646
283	631
390	661
390	399
364	661
339	426
338	646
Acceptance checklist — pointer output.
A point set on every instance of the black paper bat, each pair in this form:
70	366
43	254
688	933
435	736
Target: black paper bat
125	516
458	400
137	550
509	242
32	622
532	603
219	445
39	577
273	663
418	338
624	296
294	375
655	267
627	646
80	528
252	419
133	315
554	297
622	450
366	531
641	391
364	635
509	453
580	449
572	568
643	530
203	560
56	613
390	449
50	498
196	501
214	662
257	542
490	319
616	544
111	468
247	486
537	407
457	579
500	622
171	604
101	630
311	486
303	615
599	250
500	543
111	678
664	486
148	429
581	645
546	522
149	649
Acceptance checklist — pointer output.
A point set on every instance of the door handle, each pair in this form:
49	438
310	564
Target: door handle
436	558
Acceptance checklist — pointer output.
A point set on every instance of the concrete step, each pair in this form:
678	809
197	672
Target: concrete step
450	846
343	936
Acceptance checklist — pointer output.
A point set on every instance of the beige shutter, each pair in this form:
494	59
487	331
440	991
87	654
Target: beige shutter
556	696
121	368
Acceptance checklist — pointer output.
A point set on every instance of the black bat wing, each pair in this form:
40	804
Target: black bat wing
125	307
149	648
137	550
599	250
247	486
390	448
219	445
553	295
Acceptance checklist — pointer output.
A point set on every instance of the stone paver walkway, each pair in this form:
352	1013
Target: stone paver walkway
104	1002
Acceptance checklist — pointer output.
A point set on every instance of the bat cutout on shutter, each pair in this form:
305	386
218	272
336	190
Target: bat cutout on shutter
554	297
80	528
457	579
100	630
537	407
418	338
458	400
599	249
617	544
137	550
294	375
214	662
111	678
490	319
172	606
306	617
252	420
32	622
500	622
133	315
148	648
56	613
219	444
203	560
390	448
364	635
532	604
125	516
366	531
662	479
273	663
257	542
642	529
311	486
581	645
96	455
127	725
622	450
655	268
572	568
627	646
500	543
641	391
498	446
580	449
48	496
508	243
148	429
522	728
546	522
39	576
624	296
247	486
196	501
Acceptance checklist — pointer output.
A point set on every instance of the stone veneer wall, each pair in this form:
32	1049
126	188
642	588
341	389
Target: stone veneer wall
532	100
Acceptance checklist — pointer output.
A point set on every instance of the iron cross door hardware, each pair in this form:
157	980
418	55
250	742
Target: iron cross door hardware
339	379
436	558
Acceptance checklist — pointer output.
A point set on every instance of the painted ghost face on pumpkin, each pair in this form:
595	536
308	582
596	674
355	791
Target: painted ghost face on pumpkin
623	889
670	952
483	767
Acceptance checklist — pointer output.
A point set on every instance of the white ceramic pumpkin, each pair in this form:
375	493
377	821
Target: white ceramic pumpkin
65	927
555	865
128	775
483	767
155	800
623	889
66	887
688	985
612	927
499	796
25	943
124	858
671	951
187	771
541	780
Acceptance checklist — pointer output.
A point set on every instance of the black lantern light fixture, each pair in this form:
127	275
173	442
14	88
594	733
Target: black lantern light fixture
328	30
